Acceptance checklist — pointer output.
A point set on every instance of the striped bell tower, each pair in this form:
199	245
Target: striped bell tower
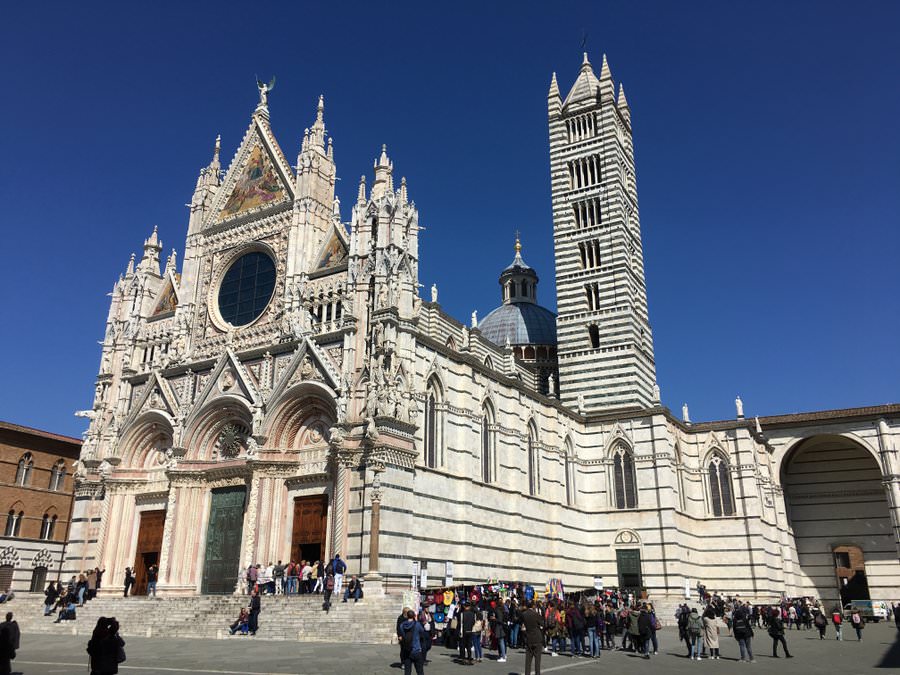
605	344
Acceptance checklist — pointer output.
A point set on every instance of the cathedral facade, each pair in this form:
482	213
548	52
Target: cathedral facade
286	394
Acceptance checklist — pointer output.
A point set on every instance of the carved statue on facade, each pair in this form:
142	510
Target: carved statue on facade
371	433
434	293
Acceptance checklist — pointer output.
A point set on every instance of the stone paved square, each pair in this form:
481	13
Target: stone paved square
44	654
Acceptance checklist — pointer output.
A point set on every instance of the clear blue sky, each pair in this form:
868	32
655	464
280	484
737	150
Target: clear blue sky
767	140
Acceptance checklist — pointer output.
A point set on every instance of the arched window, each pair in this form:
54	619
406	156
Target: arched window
534	463
48	526
23	473
624	484
594	334
431	430
57	476
487	458
14	523
720	494
569	469
10	523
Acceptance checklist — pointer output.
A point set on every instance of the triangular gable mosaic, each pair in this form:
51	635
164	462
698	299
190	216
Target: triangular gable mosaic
168	299
333	253
257	183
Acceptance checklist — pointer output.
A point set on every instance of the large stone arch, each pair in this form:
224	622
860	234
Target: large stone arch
835	502
301	418
141	442
203	435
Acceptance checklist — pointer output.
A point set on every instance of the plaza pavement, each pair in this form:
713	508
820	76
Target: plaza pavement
42	654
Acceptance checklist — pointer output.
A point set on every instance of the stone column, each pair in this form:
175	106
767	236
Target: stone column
343	462
374	580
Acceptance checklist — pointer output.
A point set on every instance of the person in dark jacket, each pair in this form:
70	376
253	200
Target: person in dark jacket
644	628
534	637
255	609
400	620
412	639
499	629
9	643
576	624
467	627
129	580
743	631
104	647
50	597
776	631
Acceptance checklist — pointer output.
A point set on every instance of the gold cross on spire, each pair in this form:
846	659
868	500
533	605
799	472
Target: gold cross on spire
518	244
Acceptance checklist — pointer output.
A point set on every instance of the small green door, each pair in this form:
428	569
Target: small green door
628	562
223	540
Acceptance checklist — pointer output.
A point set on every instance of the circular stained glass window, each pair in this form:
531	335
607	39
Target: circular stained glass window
247	288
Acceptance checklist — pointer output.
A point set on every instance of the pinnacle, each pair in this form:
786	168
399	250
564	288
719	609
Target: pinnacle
605	73
622	101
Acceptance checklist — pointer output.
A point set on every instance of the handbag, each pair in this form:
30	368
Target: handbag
120	654
478	626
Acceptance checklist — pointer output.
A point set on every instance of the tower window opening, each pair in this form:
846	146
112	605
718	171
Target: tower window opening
594	334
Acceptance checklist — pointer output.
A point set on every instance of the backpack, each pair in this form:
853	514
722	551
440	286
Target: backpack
329	583
552	618
837	618
694	625
406	641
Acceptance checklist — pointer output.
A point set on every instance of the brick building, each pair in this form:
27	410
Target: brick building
36	488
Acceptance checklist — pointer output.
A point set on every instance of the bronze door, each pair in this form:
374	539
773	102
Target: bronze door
310	522
223	540
149	546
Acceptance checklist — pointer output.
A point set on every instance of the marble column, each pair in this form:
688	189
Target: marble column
373	579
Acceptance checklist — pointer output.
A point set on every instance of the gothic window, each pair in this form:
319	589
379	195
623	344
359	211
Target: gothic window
45	526
246	288
487	454
57	476
14	523
720	494
570	477
432	427
23	473
534	463
624	484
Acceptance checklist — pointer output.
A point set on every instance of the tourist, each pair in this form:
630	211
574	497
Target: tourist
278	574
711	632
339	568
499	629
743	631
81	588
776	632
655	625
129	580
858	624
593	619
152	576
427	622
467	628
252	577
412	637
290	578
106	648
821	624
353	590
329	589
478	635
694	631
68	611
837	619
306	574
513	620
533	623
896	610
634	629
242	624
91	584
9	643
609	618
320	577
50	597
269	578
255	609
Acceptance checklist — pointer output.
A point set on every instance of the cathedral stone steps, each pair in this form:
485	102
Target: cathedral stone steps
371	620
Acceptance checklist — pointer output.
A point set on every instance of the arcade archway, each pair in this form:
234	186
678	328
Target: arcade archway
839	514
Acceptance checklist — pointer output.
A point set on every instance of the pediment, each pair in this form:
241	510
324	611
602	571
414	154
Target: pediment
308	363
156	396
334	250
259	177
228	378
167	299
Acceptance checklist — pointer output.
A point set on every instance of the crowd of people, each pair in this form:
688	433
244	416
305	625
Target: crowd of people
305	577
586	626
64	599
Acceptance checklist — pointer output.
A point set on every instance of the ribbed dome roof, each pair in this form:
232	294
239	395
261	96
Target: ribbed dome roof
522	323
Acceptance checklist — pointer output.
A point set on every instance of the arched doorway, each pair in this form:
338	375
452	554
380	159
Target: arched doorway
839	514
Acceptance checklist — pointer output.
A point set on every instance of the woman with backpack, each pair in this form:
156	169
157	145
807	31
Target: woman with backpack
821	623
858	624
694	631
743	632
837	619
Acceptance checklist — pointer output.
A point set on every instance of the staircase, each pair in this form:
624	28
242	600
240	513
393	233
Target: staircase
296	617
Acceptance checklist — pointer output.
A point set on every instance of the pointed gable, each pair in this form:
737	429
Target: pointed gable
333	252
259	176
167	300
586	85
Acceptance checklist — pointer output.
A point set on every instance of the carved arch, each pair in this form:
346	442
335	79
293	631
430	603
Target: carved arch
141	442
202	437
301	418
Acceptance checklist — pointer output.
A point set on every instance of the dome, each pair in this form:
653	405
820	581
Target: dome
521	323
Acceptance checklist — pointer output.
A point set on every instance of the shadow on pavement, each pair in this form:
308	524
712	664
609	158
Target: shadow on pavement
891	658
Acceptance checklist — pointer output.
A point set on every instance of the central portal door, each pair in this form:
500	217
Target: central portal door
149	545
310	522
223	540
628	562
